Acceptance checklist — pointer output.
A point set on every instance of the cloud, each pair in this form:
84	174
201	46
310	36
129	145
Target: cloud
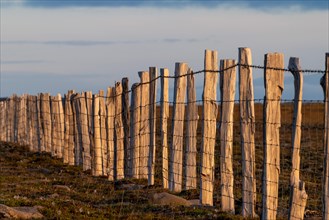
270	4
23	61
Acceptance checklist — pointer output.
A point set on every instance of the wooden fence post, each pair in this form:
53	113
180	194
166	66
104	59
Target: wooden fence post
135	128
102	115
3	120
274	82
68	152
192	118
46	120
227	88
110	115
325	194
85	141
77	133
164	125
126	128
41	141
176	151
210	110
119	133
151	159
90	117
298	196
247	126
62	125
55	145
97	166
144	124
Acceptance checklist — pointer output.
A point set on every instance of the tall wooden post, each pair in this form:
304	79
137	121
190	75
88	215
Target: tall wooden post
192	118
55	145
110	115
77	132
164	100
119	133
210	110
102	115
298	196
144	124
41	142
274	82
126	128
46	120
85	141
62	125
325	194
176	151
90	117
247	126
97	168
227	88
151	159
135	128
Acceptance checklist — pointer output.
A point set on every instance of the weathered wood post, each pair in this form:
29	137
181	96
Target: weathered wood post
274	82
68	151
119	133
110	115
77	131
176	151
325	195
102	115
247	126
97	166
210	110
192	118
41	142
90	117
135	127
2	121
164	100
151	159
46	120
55	145
85	141
298	196
62	125
227	88
126	128
144	124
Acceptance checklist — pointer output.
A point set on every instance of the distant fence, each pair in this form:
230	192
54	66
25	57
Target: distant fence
264	157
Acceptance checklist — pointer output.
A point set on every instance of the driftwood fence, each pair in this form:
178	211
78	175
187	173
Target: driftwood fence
118	138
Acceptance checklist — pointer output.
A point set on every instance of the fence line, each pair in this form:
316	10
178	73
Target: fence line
102	133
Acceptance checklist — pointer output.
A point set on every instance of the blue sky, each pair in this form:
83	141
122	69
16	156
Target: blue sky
54	46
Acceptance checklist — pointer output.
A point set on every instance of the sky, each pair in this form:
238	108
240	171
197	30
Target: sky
56	45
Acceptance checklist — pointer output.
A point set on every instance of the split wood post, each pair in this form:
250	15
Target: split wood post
210	110
110	115
102	115
247	126
298	196
19	125
274	84
46	120
151	160
29	122
55	127
41	142
62	126
15	118
90	116
77	132
35	123
192	118
68	152
12	118
176	151
325	194
135	128
164	100
119	133
2	120
97	166
227	88
126	128
144	124
85	141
